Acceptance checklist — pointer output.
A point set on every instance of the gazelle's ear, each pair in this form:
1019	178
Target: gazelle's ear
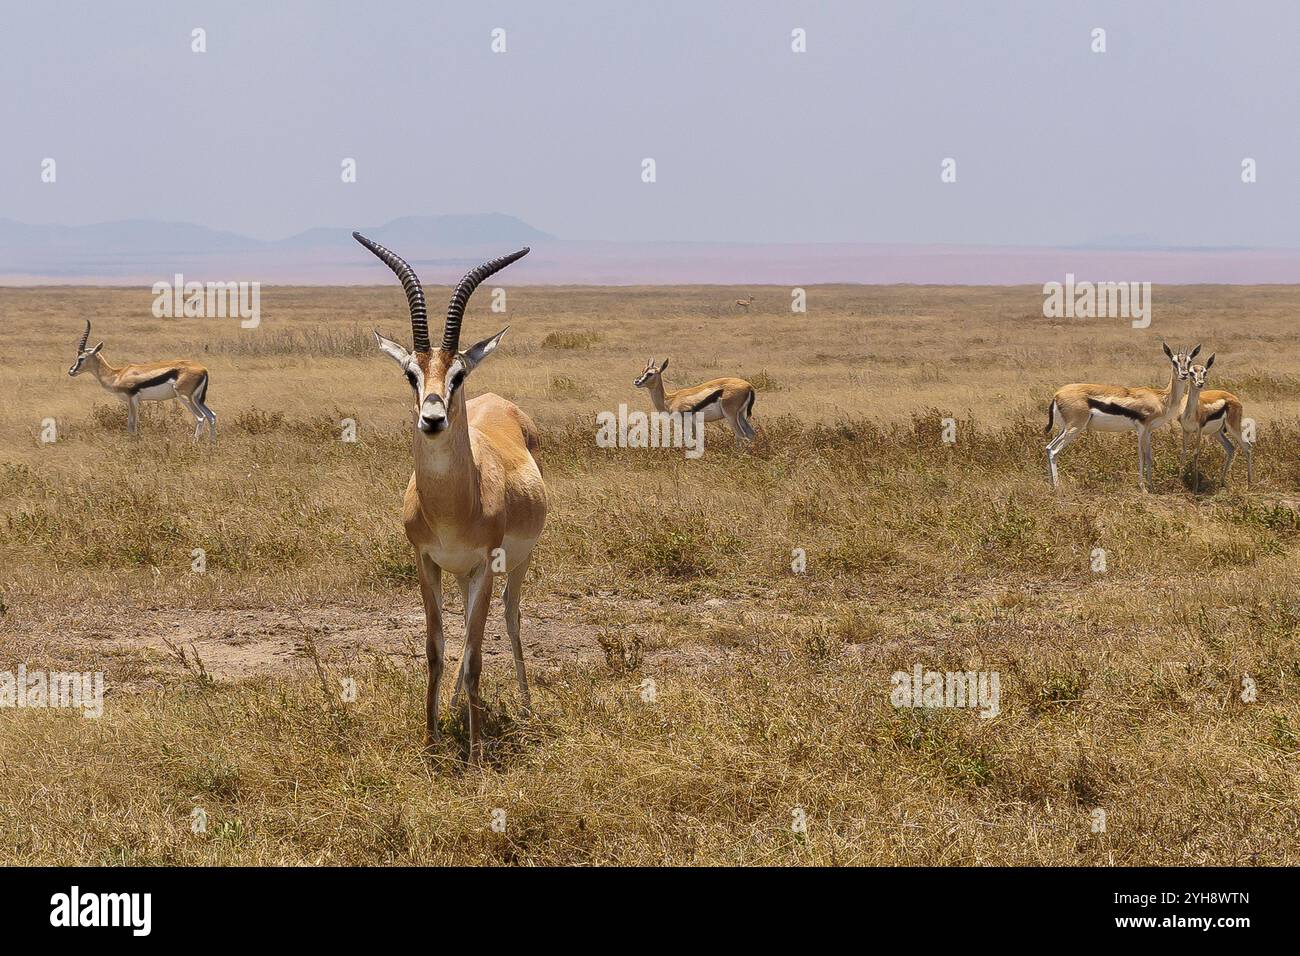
1209	361
392	349
1196	351
477	353
664	366
95	350
1167	352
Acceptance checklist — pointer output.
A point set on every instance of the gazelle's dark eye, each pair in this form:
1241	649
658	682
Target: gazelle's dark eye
410	377
455	381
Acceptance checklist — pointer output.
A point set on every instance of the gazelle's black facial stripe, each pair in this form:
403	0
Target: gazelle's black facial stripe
415	375
455	378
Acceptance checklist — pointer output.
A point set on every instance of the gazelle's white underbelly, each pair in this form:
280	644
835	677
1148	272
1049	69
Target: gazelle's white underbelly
157	393
712	412
1209	428
463	560
1102	422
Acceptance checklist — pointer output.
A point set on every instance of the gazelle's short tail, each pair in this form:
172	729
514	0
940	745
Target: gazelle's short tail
1051	417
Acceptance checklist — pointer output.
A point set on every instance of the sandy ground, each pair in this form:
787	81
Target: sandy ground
140	649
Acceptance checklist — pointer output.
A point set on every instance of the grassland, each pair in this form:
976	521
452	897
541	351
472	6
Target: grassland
1120	691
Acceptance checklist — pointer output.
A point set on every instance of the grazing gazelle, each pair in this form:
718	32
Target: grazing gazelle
1116	408
729	398
476	503
1213	412
183	380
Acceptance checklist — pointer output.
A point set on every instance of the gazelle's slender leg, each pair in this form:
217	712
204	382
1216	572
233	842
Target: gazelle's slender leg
463	584
743	418
1229	452
477	590
514	591
737	429
132	414
1058	445
211	416
1144	458
1196	463
434	642
200	419
1249	449
1182	452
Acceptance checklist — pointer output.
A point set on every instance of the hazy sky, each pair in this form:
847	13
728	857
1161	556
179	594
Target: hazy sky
843	143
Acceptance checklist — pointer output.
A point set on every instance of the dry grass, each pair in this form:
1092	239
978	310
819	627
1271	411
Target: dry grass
1120	690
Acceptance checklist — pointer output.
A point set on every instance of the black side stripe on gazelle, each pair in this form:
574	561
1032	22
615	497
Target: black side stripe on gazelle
1114	408
706	401
1223	410
156	380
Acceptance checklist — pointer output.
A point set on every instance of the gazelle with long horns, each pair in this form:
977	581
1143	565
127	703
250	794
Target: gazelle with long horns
1078	408
729	398
1213	413
476	503
183	380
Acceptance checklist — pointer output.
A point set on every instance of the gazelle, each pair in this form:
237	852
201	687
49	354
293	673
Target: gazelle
729	398
476	503
183	380
1116	408
1213	412
745	303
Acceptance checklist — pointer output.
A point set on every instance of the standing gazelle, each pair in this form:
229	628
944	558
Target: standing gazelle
1213	412
729	398
476	503
1117	408
183	380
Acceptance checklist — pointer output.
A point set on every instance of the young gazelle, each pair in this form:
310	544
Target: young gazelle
1116	408
729	398
1213	412
476	503
183	380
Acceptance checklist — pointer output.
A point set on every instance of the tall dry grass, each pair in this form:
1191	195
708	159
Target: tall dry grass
1120	690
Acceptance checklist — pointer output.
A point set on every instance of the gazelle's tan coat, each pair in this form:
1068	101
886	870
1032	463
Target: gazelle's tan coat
1083	407
476	503
181	379
719	398
1213	412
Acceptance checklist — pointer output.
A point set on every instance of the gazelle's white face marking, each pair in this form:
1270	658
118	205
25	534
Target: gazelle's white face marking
1199	372
83	357
651	374
436	379
1181	361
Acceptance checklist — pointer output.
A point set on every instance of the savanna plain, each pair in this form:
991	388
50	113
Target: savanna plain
695	697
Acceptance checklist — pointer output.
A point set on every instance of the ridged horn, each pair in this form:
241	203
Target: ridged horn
456	308
85	337
411	284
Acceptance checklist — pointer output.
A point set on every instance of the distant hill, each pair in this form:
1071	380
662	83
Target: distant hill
130	248
442	248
